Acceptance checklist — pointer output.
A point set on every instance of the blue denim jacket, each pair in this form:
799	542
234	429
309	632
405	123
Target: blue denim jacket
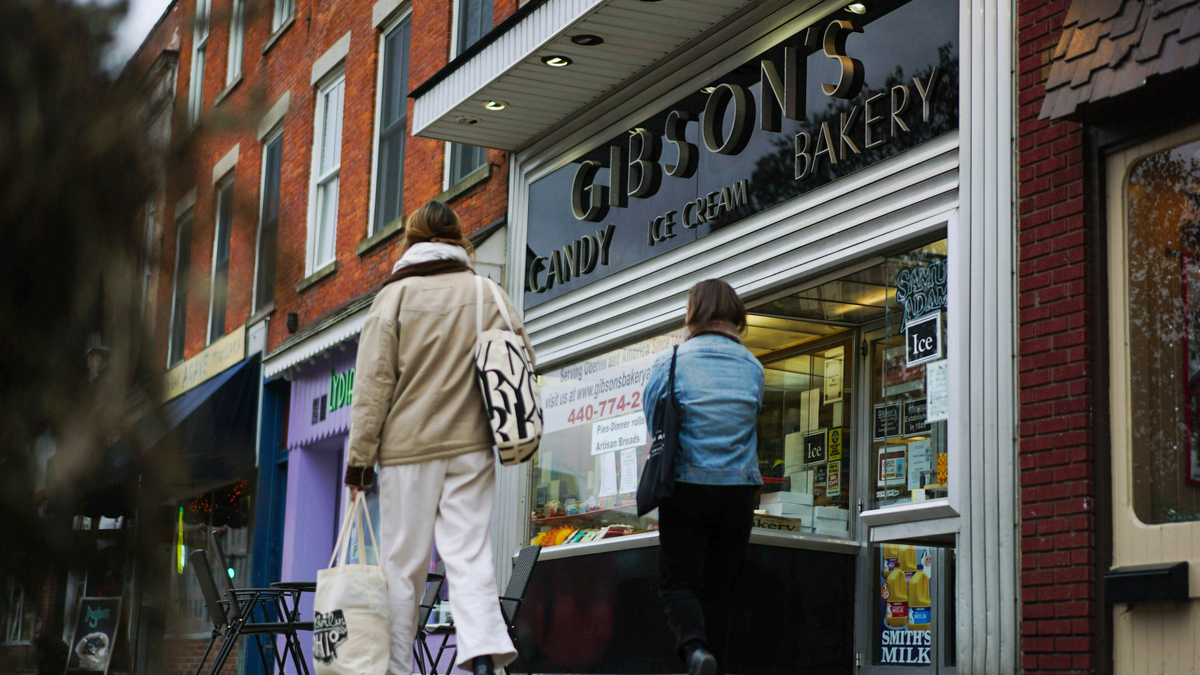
719	386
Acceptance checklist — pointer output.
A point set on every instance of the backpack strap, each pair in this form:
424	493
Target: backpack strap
499	303
478	306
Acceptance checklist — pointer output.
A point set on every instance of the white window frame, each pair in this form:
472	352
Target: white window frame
268	139
185	217
1135	542
199	60
226	181
384	28
237	42
280	13
15	611
318	181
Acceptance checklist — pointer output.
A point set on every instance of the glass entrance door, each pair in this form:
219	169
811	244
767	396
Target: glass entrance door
905	622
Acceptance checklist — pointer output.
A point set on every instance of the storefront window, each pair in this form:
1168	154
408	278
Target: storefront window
20	622
909	401
229	511
585	475
1163	221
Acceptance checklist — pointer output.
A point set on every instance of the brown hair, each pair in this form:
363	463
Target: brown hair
714	301
434	222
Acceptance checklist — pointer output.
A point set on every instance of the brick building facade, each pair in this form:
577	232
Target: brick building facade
1060	561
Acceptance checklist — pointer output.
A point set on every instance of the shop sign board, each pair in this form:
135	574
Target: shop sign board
834	478
210	362
921	290
923	339
887	421
619	433
836	97
914	417
816	446
937	391
835	444
321	397
94	636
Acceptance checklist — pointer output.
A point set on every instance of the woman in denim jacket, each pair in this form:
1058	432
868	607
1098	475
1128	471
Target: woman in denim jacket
705	526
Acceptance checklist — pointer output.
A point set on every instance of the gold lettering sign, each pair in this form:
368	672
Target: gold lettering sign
226	352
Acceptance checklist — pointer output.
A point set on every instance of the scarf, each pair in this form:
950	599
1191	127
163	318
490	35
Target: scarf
430	259
722	328
430	251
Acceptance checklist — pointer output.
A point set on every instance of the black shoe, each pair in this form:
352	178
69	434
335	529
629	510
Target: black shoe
701	662
482	665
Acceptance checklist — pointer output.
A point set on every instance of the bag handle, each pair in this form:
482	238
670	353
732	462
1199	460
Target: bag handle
671	382
341	548
501	304
478	306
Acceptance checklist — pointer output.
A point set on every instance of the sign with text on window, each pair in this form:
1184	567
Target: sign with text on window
609	385
213	360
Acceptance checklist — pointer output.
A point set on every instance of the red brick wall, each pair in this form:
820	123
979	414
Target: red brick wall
287	67
1058	489
182	657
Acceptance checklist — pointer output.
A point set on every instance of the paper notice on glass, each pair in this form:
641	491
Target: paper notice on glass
920	463
629	472
619	433
937	391
608	475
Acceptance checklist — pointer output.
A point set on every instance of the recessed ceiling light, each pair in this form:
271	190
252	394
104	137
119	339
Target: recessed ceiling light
556	61
587	40
463	119
708	90
495	105
856	8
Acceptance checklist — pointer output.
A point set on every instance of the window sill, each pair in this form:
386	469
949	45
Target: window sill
315	278
457	190
228	90
937	531
262	314
370	243
278	34
934	509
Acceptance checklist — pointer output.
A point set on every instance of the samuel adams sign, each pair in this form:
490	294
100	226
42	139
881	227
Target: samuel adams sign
838	96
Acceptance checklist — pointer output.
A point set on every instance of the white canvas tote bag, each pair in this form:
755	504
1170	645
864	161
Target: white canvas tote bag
510	388
351	625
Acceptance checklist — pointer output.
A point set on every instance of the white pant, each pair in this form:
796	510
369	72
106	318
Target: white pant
450	500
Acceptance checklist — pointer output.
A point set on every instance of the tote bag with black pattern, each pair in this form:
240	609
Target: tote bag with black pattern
510	390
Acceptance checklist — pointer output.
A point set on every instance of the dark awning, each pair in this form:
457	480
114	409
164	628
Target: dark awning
204	436
1112	47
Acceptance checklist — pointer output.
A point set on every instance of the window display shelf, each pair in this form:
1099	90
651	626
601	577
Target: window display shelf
627	509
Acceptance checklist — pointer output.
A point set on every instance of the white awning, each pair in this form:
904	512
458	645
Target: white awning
507	65
291	355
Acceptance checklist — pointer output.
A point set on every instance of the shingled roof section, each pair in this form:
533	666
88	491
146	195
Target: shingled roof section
1110	47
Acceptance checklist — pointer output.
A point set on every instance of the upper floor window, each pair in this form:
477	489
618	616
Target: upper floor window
282	12
237	39
1162	277
268	229
473	20
464	161
183	256
327	164
393	124
199	52
220	275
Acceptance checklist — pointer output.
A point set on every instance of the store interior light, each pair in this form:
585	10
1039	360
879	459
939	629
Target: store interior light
856	8
587	40
556	61
231	572
495	105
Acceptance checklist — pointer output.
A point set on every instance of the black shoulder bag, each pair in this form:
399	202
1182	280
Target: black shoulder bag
658	476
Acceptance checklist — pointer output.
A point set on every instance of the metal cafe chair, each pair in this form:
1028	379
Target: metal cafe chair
421	650
513	598
250	611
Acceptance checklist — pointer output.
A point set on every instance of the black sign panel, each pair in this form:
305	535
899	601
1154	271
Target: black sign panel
914	417
94	638
923	339
839	96
816	447
887	421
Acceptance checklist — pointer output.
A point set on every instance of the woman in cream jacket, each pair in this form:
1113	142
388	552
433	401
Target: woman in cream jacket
418	412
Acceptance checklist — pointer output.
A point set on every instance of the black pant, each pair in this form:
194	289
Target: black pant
703	534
